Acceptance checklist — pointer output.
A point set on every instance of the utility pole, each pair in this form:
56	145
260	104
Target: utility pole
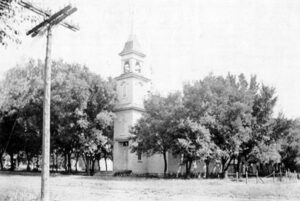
47	24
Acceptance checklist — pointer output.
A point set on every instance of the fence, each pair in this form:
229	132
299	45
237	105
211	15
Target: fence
287	176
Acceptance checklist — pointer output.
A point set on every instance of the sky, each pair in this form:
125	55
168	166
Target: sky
183	41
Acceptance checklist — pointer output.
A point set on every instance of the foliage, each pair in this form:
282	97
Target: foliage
154	132
81	111
12	19
193	142
223	105
227	118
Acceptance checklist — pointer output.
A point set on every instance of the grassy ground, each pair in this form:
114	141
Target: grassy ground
75	188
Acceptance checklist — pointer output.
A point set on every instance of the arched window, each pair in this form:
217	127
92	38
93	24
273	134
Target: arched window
126	67
124	91
138	67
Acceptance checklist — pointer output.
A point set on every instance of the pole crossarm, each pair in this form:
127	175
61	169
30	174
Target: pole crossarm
45	14
63	16
57	17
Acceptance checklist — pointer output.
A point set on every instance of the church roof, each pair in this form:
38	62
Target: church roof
132	46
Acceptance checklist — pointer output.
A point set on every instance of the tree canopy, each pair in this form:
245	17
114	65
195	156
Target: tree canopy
81	112
218	118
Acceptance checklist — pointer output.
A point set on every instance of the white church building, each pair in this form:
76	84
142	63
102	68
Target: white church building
133	87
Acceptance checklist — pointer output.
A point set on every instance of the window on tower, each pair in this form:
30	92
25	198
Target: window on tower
124	91
126	67
137	67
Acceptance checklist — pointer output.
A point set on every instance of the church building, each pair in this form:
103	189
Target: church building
133	87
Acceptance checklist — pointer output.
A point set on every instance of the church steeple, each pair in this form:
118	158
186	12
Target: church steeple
132	56
132	46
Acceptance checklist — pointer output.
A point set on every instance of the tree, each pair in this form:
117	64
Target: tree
18	90
154	132
193	142
77	94
290	151
223	106
12	19
264	145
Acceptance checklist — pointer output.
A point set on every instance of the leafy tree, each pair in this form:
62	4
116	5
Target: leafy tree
17	88
10	135
154	132
264	144
193	142
290	152
12	17
76	92
223	106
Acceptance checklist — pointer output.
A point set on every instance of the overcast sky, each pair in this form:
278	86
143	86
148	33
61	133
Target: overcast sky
183	40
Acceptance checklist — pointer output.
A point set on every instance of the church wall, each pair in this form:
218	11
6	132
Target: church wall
120	124
137	166
120	155
155	164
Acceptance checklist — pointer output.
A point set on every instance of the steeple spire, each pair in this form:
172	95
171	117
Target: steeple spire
132	45
131	34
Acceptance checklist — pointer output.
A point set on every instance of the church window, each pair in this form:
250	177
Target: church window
137	67
126	67
124	91
125	144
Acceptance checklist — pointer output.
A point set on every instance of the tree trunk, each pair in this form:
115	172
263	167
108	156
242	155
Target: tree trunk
76	162
28	163
37	162
12	165
165	163
188	166
53	162
226	163
237	167
105	160
207	168
88	165
93	167
65	163
69	163
1	162
56	162
18	160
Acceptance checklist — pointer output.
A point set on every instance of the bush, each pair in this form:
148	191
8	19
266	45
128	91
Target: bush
122	173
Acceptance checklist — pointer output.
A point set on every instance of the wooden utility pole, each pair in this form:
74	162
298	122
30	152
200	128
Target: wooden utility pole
45	194
47	24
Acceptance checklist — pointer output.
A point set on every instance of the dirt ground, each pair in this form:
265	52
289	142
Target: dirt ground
81	188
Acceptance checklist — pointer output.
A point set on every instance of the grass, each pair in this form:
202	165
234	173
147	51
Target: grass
75	188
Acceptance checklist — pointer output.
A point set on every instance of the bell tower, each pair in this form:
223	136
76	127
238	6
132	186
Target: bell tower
132	89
